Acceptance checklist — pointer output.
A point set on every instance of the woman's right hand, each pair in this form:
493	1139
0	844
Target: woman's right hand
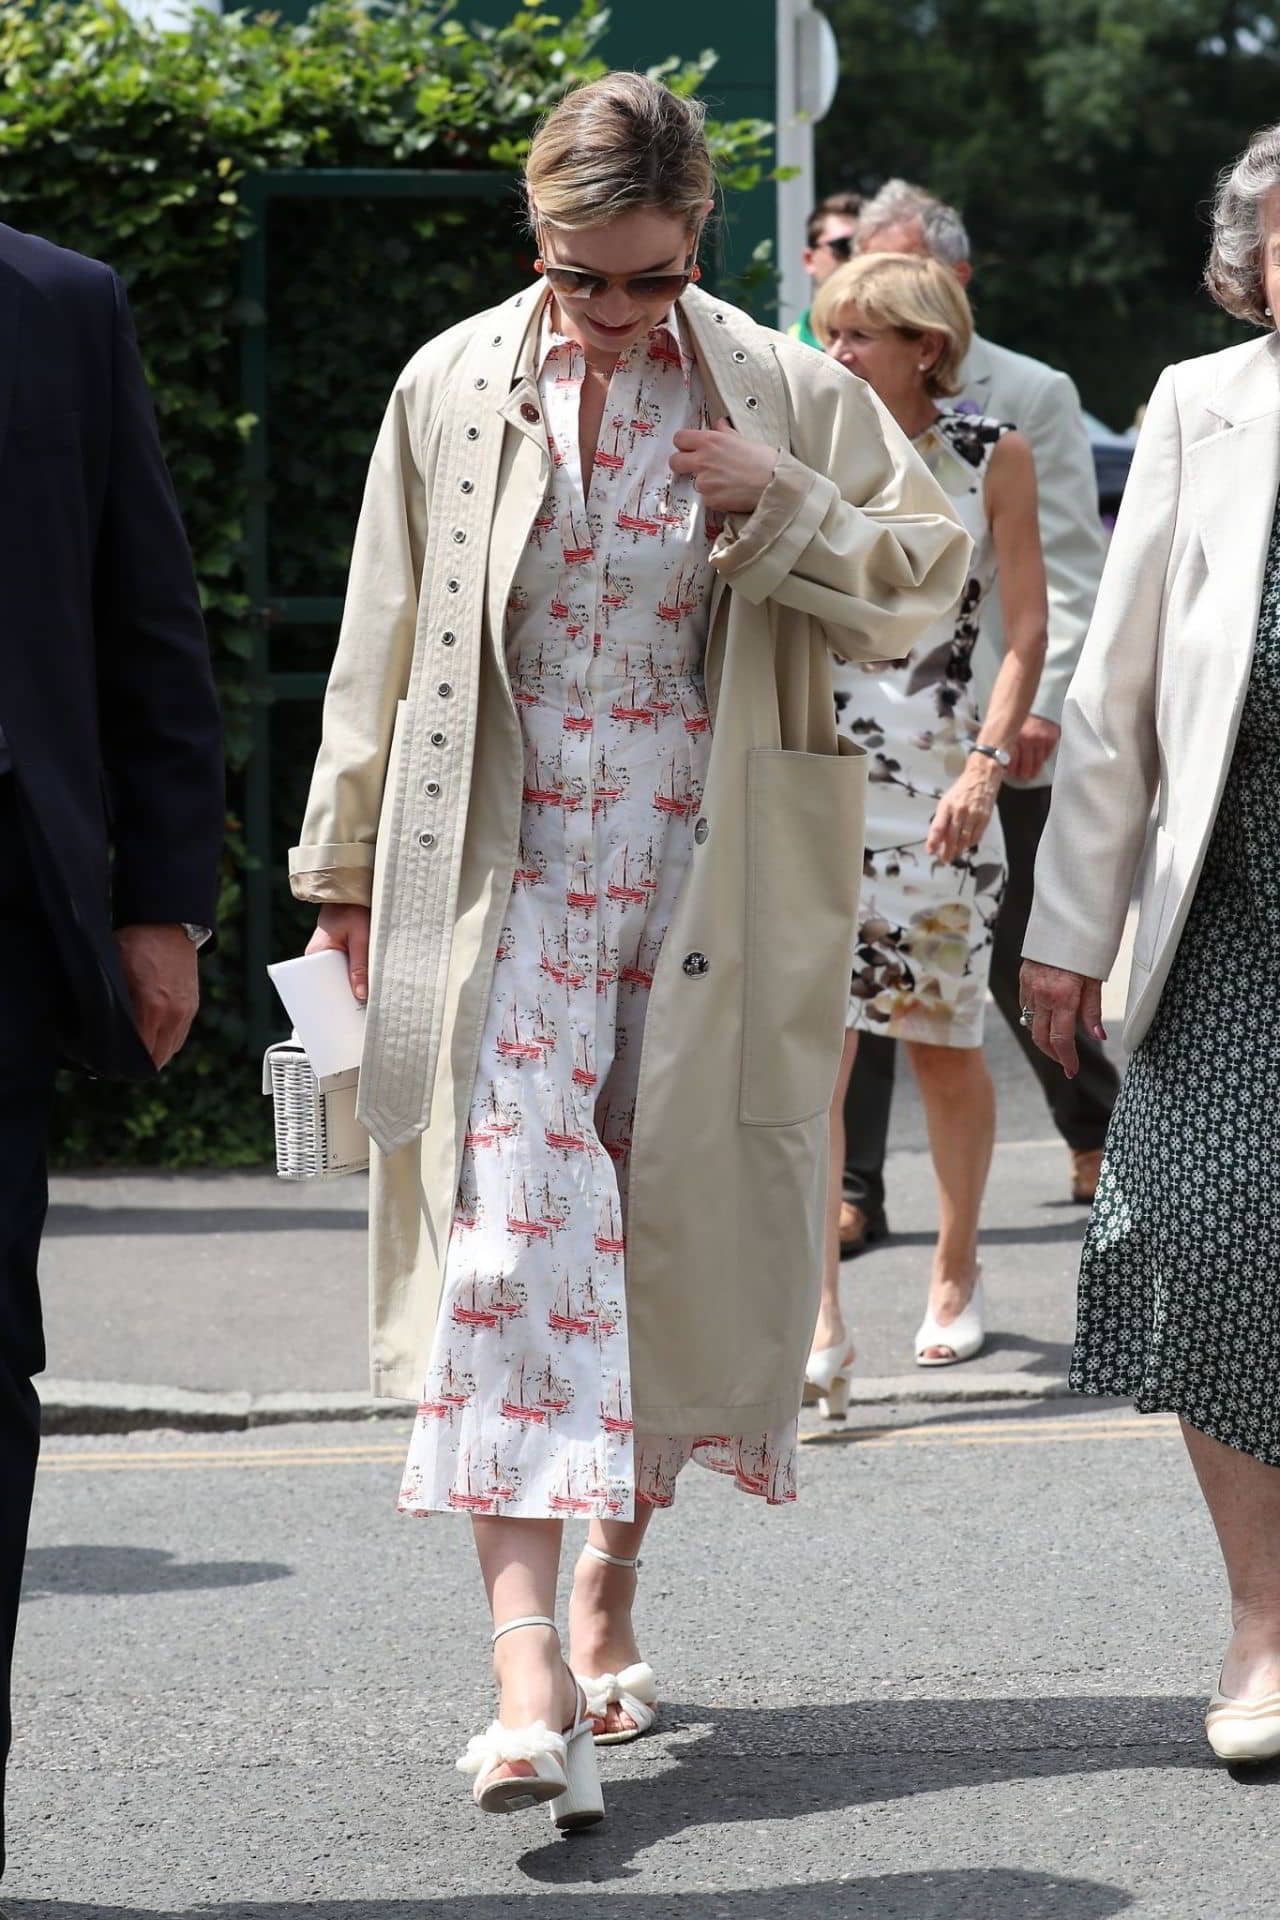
347	929
1059	999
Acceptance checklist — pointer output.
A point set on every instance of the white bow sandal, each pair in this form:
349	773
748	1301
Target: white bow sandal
964	1337
633	1690
827	1373
564	1776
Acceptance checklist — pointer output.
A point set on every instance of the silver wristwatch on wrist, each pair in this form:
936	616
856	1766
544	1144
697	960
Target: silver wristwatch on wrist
196	935
1001	755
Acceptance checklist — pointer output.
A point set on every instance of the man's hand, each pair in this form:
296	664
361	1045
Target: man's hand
1058	999
346	928
729	472
1033	746
163	979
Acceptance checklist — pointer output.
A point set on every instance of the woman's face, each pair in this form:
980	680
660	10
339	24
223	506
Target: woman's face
894	364
1271	253
636	246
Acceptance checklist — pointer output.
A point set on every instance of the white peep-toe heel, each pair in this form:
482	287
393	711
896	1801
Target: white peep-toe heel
827	1373
633	1690
965	1336
564	1764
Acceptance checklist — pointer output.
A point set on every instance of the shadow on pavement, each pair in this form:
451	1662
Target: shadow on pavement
135	1570
975	1894
1019	1236
114	1223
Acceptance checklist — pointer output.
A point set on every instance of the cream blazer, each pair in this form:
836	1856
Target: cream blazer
1151	717
415	807
1044	405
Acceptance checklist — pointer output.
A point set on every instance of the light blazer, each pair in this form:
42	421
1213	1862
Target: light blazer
1153	711
1044	405
416	804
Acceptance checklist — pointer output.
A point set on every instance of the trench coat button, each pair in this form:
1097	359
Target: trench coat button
473	433
530	413
444	689
701	829
448	639
432	789
497	339
695	965
466	486
481	383
718	318
739	355
438	739
459	536
752	402
426	839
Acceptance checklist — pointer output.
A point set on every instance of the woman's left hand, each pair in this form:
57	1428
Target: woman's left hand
729	472
964	810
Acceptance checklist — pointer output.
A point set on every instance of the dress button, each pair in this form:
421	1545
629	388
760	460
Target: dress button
701	830
530	413
438	739
695	965
426	839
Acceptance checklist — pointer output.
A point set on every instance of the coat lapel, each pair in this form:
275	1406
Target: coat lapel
1235	477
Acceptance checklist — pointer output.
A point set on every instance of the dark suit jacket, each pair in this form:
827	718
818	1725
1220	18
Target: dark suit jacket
106	693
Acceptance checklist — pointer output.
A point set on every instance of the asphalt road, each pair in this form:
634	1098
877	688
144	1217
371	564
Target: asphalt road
963	1676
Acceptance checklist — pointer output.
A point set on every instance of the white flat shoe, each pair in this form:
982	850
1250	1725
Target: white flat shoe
564	1764
964	1337
633	1690
1244	1730
827	1373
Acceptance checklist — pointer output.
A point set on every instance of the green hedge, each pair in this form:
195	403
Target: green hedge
133	143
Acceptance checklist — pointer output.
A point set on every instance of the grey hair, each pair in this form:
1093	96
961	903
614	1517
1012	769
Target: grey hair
946	237
1233	273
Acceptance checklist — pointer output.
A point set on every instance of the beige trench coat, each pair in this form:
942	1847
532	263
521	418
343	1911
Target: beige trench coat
415	807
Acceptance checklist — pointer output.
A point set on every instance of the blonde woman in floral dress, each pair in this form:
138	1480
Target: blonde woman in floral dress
934	867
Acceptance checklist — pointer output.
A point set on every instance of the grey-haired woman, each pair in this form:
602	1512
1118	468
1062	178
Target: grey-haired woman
1167	777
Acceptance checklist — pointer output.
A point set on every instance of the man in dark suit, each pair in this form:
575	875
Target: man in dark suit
111	786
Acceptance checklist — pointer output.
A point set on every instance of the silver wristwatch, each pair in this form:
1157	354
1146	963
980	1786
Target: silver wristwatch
196	935
1001	755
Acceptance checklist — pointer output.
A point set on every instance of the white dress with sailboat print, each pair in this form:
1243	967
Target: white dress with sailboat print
526	1406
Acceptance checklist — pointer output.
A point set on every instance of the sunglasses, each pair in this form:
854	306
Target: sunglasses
571	283
841	246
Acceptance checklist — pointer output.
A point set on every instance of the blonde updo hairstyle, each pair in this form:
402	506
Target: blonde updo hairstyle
906	291
1234	271
620	144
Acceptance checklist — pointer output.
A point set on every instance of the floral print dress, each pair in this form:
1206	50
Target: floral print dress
526	1405
1179	1307
925	932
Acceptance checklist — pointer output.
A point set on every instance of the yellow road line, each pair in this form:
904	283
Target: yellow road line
940	1433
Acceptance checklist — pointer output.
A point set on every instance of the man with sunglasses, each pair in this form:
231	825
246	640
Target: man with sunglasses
829	233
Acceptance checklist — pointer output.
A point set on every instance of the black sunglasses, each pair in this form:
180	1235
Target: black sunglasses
841	245
571	283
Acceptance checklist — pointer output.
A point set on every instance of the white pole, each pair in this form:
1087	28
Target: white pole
807	71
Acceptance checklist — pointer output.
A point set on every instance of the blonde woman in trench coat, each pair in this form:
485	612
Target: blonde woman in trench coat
477	744
1166	786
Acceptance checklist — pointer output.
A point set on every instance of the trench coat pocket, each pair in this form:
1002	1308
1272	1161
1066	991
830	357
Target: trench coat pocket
804	869
1151	899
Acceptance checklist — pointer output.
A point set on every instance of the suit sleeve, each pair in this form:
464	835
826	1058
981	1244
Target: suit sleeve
853	529
1108	764
1070	532
159	724
334	859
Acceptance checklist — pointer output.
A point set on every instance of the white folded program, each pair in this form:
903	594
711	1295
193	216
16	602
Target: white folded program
312	1077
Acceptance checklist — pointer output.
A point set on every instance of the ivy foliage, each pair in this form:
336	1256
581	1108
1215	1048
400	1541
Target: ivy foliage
136	143
1081	139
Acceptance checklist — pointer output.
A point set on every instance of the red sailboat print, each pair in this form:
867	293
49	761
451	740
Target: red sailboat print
699	721
614	593
626	888
581	893
530	868
679	799
610	458
555	1208
564	1316
537	791
606	970
639	972
509	1298
607	786
566	1498
521	1408
583	1075
675	603
468	1498
469	1311
667	513
663	348
576	718
554	1394
521	1222
450	1391
520	1047
636	713
503	1481
497	1122
610	1239
467	1208
614	1417
632	517
577	548
566	1138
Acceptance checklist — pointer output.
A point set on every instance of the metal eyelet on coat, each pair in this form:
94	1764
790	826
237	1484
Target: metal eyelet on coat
426	839
739	355
752	402
432	789
497	339
454	586
718	318
459	536
701	829
444	689
696	965
448	639
466	486
481	383
439	739
473	433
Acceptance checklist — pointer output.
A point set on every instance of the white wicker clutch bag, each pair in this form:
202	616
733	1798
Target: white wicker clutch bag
317	1134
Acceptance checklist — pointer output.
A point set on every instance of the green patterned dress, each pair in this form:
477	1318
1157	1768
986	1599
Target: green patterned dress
1180	1276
